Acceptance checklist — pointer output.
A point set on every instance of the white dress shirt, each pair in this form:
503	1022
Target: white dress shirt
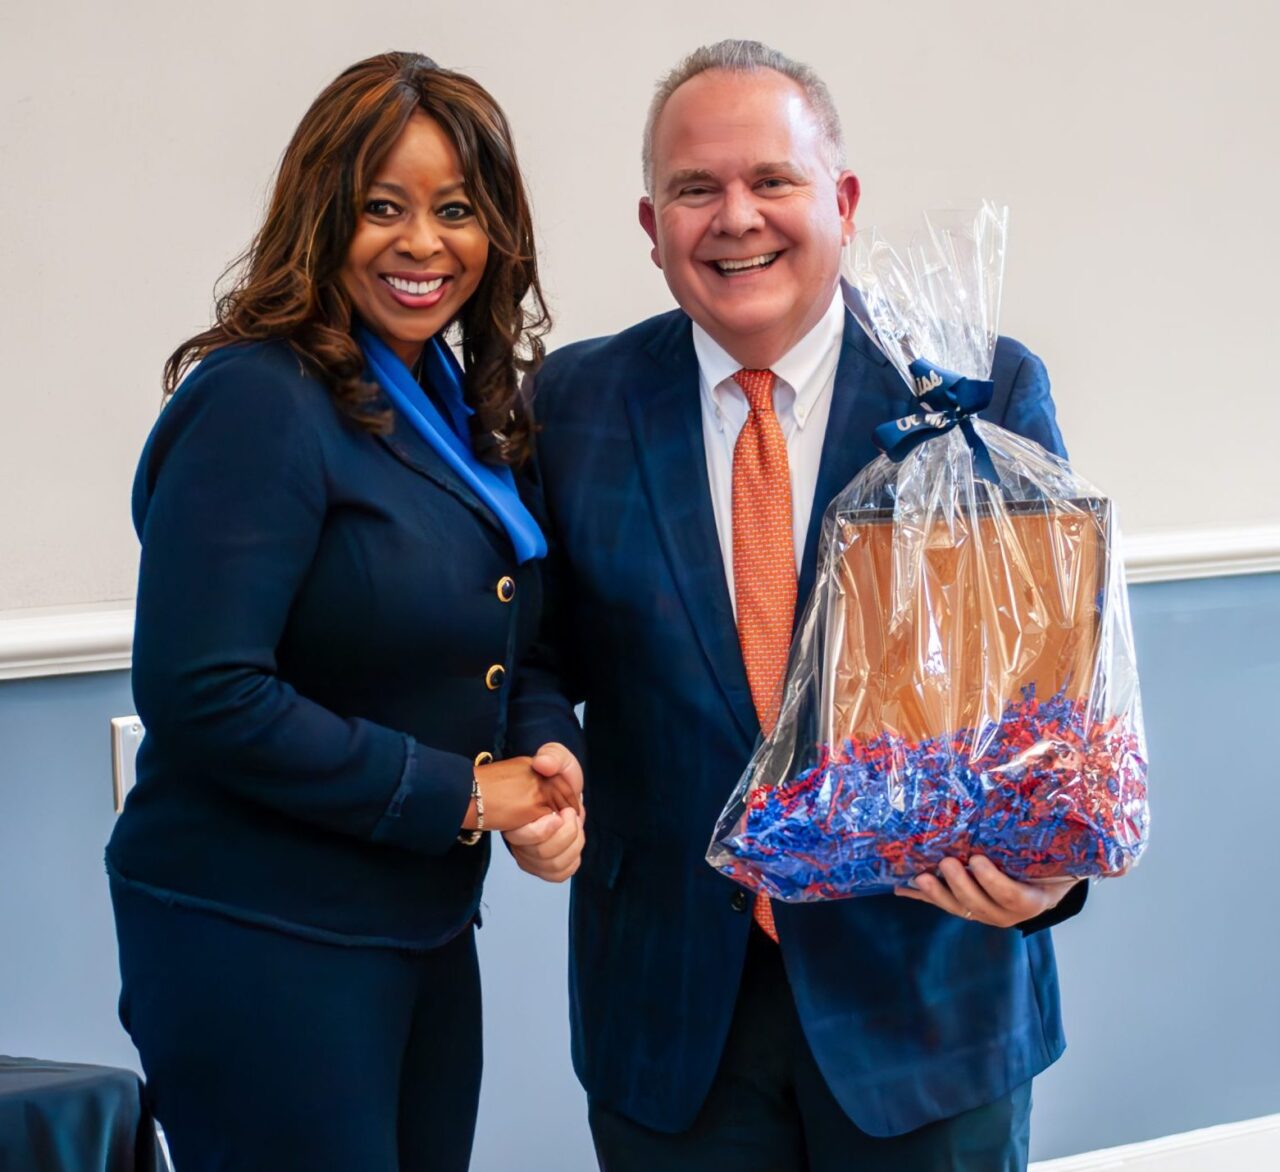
804	380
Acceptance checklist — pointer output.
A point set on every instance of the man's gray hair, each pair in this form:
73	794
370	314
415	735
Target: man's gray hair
748	57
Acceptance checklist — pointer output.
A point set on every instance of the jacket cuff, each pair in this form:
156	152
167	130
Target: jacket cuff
425	813
1070	905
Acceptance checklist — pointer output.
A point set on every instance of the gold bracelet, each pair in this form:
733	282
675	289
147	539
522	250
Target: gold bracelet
471	837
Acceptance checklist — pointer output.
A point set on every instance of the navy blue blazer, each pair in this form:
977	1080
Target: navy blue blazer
322	648
912	1015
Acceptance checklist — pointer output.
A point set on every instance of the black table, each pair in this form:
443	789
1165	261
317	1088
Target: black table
64	1117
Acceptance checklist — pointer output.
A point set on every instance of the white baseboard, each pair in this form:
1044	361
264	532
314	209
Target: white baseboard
1250	1146
99	638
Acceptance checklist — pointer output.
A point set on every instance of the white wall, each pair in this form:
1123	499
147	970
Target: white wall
1134	142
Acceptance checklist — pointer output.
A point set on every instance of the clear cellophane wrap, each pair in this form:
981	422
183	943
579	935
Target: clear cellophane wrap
963	679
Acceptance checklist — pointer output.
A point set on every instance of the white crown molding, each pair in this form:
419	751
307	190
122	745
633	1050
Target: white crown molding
1250	1146
64	641
1202	553
99	638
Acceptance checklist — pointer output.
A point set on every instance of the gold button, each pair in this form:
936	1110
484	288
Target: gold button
483	758
506	589
494	676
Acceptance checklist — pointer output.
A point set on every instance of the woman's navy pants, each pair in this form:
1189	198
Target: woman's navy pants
266	1050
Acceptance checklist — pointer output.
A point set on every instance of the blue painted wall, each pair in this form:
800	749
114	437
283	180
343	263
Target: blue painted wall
1169	986
58	975
1169	977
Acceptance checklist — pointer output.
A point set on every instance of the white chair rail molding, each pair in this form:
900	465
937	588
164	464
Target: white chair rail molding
63	640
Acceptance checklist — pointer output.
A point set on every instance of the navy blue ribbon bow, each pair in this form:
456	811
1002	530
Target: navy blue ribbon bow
946	400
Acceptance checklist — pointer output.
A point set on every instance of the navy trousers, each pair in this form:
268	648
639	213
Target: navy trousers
266	1051
769	1109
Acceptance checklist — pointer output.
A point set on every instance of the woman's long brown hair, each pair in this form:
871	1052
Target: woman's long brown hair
286	283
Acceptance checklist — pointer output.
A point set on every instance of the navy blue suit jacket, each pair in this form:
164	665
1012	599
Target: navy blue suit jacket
912	1015
318	615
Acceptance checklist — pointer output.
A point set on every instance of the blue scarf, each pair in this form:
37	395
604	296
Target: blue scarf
495	485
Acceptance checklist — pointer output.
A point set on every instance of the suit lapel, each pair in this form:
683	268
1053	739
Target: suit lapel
665	413
868	390
407	446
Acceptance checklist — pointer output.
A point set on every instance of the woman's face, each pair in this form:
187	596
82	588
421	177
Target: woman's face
418	251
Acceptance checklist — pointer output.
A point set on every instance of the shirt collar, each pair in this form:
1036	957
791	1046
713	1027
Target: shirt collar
803	369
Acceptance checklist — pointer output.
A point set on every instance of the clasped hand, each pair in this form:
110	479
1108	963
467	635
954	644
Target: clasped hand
550	847
537	804
983	893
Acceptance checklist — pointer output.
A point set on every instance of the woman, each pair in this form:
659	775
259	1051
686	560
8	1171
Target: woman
338	580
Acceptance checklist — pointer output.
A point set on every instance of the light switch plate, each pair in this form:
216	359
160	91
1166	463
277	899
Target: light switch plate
126	735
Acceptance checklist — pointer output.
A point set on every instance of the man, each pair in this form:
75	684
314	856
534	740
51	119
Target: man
685	465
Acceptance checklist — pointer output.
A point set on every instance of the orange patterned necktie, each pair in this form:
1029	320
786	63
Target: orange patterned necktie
764	560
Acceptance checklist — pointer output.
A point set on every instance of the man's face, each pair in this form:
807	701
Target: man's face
747	220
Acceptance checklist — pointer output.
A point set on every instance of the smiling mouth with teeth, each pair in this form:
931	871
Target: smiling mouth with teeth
414	288
746	265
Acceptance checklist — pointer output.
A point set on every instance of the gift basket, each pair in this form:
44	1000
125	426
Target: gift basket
963	678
